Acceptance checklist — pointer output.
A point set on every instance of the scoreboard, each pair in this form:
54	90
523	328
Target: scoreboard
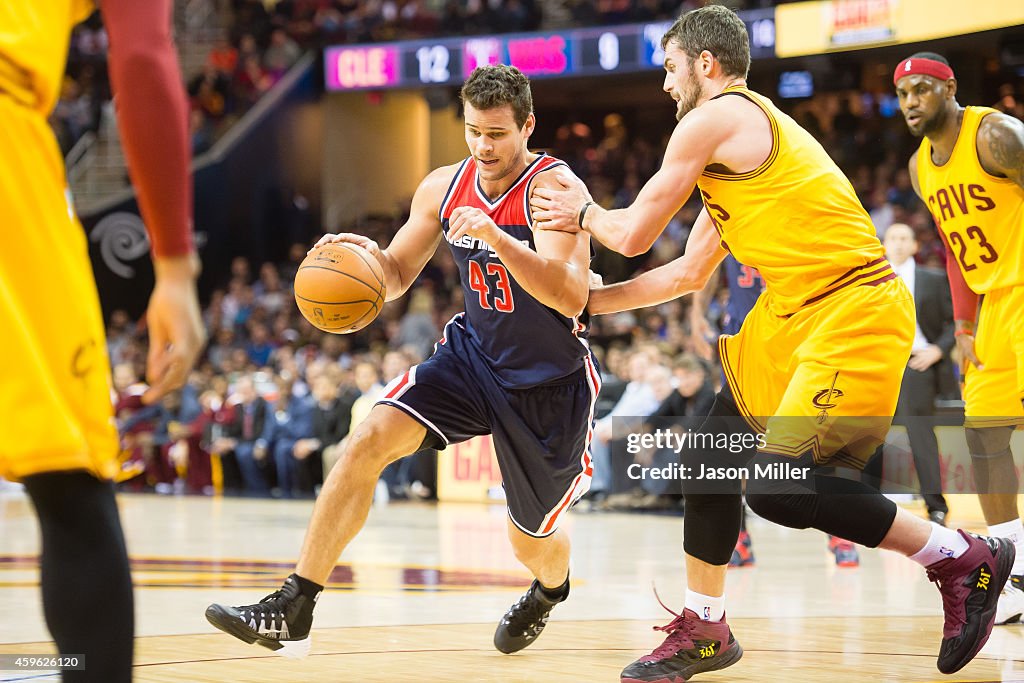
577	52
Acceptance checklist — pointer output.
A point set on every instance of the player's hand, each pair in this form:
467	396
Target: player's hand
351	238
925	358
176	333
559	208
469	220
965	344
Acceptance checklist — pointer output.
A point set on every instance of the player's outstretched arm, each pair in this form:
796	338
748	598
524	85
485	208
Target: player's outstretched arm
152	114
688	273
632	231
414	243
1001	146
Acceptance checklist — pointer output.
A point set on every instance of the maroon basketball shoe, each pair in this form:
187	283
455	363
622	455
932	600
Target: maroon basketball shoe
693	646
970	586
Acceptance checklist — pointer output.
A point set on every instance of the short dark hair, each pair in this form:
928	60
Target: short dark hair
496	85
688	362
716	29
934	56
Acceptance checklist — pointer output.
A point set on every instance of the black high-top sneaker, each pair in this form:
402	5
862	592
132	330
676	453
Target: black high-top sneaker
524	620
279	622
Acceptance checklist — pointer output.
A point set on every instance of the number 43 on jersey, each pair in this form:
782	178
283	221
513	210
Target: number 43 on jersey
500	298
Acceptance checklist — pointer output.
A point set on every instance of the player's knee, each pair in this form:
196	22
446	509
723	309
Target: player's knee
988	442
530	550
991	459
789	510
369	447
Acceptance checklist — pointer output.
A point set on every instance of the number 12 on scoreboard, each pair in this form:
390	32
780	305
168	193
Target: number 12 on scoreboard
433	61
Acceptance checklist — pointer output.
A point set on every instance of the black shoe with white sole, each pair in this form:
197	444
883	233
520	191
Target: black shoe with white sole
279	622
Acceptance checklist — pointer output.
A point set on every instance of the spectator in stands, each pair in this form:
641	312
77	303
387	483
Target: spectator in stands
417	328
637	400
330	422
251	81
291	420
208	93
200	131
223	57
259	347
241	436
692	394
269	290
281	53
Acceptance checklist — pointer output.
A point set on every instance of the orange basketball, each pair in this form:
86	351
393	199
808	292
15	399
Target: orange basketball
340	288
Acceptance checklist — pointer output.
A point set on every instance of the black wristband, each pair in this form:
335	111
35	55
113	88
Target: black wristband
583	213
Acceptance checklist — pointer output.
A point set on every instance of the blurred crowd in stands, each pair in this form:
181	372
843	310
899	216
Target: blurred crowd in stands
323	22
264	37
246	62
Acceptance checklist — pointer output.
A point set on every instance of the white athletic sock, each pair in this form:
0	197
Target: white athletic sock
942	544
705	606
1013	530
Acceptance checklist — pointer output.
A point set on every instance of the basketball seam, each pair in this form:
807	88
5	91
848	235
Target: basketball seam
341	272
372	302
372	272
374	305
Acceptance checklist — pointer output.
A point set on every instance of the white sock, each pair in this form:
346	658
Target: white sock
1013	530
705	606
942	544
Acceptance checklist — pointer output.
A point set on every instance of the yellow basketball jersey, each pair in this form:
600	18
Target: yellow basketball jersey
34	36
796	217
982	216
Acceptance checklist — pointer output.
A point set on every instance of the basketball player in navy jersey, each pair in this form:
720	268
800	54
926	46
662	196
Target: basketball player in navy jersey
515	365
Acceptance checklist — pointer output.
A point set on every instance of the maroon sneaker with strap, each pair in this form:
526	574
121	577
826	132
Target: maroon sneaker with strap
693	646
970	586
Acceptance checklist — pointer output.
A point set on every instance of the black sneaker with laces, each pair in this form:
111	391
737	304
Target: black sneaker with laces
524	620
279	622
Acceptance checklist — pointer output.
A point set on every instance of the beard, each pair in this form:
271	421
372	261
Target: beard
930	125
689	96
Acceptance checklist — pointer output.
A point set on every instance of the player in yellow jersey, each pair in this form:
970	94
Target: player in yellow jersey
969	170
57	434
815	368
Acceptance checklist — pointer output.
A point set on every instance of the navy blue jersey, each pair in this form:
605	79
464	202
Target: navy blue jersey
745	285
523	342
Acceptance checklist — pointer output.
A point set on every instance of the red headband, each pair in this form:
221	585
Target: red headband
923	66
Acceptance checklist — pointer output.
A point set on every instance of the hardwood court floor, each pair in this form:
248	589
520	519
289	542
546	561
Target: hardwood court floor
419	592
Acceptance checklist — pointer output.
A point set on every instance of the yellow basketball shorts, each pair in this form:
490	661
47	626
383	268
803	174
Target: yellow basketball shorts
826	378
993	395
55	395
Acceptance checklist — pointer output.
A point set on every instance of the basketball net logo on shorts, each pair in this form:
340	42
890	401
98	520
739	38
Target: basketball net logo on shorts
823	400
